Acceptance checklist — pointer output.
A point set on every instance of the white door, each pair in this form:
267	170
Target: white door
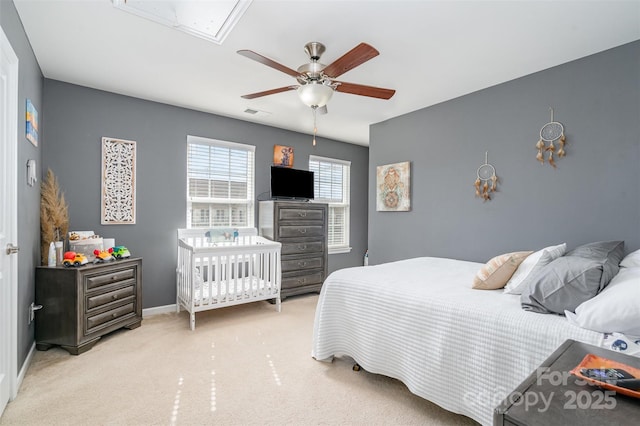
8	220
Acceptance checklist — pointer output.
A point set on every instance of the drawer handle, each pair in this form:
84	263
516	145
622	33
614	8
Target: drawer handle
302	281
304	247
114	315
113	277
303	214
302	230
302	263
115	296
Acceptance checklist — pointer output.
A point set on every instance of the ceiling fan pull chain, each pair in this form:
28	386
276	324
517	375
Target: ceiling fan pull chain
315	128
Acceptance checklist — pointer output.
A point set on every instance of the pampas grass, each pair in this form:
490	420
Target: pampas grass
54	214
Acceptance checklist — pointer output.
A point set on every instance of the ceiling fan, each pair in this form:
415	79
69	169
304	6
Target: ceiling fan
316	81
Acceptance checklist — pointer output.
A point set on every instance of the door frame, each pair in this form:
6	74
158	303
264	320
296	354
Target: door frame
11	175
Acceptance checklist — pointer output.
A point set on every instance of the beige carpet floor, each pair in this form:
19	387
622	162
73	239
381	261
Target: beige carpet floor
243	365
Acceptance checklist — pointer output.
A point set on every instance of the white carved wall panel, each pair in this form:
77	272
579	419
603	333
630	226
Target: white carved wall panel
118	182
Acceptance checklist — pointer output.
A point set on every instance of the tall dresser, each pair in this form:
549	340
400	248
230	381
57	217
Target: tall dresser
302	228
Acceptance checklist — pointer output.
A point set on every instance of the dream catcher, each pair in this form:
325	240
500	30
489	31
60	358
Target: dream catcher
487	180
550	132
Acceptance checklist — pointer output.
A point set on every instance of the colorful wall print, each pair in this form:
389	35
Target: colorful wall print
392	187
32	123
118	182
282	156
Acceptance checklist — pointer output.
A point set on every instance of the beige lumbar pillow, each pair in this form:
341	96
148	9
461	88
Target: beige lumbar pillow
495	274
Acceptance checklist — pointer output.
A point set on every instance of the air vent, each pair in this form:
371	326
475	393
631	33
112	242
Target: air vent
257	113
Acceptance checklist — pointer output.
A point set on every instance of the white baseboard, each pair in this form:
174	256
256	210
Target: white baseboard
23	370
158	310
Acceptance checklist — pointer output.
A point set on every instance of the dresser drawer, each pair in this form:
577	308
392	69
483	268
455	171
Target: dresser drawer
301	214
95	281
300	264
113	314
292	231
302	280
112	296
302	247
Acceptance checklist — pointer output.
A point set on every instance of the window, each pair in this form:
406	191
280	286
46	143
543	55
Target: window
220	183
331	186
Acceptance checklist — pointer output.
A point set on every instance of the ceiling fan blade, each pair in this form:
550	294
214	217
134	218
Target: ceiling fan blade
269	92
359	89
268	62
356	56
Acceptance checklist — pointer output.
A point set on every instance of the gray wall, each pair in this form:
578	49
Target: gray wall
594	194
30	87
78	117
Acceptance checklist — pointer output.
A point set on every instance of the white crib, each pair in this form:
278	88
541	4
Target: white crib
213	275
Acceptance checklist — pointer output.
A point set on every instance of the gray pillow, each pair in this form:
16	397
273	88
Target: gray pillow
608	253
562	285
566	282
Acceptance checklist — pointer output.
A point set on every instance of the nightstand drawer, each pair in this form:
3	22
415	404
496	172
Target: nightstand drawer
301	214
112	296
111	315
301	264
109	278
292	231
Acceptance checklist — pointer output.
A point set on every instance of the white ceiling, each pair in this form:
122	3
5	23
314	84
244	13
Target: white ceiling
430	52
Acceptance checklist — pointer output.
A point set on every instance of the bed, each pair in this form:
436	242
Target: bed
419	321
231	268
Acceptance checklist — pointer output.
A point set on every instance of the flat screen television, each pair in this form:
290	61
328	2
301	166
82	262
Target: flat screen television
293	184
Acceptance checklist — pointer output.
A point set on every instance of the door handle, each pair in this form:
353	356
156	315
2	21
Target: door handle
11	249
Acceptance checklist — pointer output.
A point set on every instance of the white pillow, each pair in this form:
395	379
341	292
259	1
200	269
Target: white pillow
532	264
614	309
631	260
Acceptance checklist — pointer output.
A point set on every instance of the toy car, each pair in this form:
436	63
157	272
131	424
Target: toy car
71	258
102	256
119	252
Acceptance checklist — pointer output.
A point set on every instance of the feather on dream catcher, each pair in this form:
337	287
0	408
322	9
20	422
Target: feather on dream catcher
551	132
487	181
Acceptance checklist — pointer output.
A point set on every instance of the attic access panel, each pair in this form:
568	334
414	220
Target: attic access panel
210	20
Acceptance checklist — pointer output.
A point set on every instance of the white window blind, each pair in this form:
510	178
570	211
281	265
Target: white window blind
332	186
220	183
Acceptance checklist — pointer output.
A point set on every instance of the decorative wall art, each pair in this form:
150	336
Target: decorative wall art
487	181
31	130
392	187
282	156
551	132
118	182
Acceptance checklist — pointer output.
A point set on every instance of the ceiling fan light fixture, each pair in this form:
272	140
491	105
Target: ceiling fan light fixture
315	94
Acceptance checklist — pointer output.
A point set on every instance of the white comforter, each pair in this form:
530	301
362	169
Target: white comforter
419	321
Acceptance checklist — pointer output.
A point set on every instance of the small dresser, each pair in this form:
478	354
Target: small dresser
302	229
81	304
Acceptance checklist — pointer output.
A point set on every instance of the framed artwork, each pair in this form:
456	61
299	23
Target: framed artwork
392	187
31	131
282	156
118	182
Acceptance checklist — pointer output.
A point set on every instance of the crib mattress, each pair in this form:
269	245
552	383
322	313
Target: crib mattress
246	288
